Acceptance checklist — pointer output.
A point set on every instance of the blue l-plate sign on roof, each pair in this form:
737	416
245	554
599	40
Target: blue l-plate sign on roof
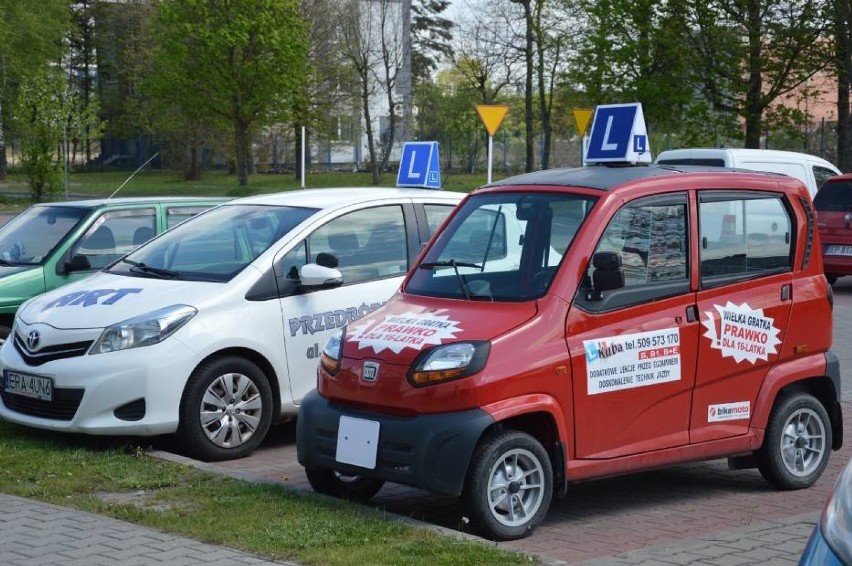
419	166
619	134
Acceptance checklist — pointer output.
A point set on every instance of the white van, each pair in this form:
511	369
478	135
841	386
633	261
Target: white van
811	170
214	329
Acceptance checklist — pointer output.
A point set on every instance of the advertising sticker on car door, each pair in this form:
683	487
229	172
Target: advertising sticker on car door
632	360
745	334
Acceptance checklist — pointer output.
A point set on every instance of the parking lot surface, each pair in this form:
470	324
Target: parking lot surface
699	513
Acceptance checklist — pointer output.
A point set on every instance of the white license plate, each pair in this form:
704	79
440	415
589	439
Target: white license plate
27	385
838	250
357	442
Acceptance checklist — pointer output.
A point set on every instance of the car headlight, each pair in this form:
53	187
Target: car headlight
836	523
333	351
143	330
448	362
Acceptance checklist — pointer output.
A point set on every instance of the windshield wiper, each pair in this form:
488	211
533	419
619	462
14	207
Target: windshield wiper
451	263
160	272
455	265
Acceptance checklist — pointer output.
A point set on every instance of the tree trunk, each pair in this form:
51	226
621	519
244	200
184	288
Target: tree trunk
368	122
843	68
241	143
754	94
529	114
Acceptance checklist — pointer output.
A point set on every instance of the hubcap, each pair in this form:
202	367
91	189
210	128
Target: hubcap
803	442
231	410
516	487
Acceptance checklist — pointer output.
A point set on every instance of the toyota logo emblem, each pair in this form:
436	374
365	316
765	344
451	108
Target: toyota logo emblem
33	338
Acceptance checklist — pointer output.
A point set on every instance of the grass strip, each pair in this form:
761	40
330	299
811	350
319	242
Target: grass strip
114	477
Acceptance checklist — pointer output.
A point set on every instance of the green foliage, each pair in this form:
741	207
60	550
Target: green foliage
237	65
40	115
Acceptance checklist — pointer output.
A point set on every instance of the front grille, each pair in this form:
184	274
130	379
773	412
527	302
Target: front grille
62	408
50	353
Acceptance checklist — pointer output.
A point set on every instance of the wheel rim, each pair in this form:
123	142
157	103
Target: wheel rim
516	487
803	442
231	410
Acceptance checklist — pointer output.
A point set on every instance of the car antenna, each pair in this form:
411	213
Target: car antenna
131	176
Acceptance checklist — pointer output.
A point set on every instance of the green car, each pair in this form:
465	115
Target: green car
49	245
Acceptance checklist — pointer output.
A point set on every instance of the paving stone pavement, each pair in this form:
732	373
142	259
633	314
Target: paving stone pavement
699	514
40	534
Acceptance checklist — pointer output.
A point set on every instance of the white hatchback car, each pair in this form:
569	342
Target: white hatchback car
214	329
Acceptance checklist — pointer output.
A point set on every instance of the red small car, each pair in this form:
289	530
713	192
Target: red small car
572	324
833	203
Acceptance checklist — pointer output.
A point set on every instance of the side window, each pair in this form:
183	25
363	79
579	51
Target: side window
436	214
114	234
652	242
177	214
821	174
368	244
652	238
742	236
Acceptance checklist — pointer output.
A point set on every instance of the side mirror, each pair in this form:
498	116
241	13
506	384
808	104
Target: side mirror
76	263
314	275
608	274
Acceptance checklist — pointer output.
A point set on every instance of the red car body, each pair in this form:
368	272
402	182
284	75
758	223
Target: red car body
833	203
691	363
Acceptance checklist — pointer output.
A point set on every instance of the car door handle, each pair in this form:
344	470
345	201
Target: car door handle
691	313
785	292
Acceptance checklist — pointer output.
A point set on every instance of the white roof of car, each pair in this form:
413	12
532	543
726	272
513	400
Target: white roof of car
741	153
343	197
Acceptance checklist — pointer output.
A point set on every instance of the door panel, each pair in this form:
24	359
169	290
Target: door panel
744	304
633	349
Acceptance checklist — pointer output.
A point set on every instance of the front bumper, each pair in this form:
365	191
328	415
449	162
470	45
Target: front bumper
133	392
430	452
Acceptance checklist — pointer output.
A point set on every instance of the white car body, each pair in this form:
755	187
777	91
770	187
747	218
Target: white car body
810	169
281	335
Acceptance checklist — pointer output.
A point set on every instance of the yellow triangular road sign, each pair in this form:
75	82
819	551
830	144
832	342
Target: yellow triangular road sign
492	116
583	116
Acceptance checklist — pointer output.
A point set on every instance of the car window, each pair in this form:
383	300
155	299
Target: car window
31	236
217	245
651	238
822	174
742	236
114	234
501	247
834	197
364	245
177	214
436	214
368	244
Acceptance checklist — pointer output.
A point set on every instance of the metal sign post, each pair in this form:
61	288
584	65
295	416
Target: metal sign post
492	116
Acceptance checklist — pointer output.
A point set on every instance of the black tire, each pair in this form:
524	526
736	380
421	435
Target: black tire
832	278
236	426
492	482
335	484
797	443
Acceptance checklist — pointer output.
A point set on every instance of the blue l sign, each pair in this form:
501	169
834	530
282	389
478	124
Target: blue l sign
618	134
419	166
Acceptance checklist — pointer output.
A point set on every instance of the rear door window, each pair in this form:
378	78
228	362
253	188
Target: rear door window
742	235
834	197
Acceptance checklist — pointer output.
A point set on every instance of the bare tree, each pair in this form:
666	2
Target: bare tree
373	46
482	56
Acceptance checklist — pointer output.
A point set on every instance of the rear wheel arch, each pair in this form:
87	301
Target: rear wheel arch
823	389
